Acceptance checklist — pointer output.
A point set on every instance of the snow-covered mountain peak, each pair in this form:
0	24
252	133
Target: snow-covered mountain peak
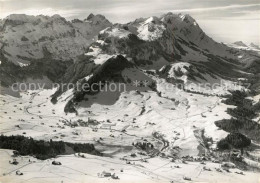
151	29
177	19
183	25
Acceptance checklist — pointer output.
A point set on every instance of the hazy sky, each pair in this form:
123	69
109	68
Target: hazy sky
224	20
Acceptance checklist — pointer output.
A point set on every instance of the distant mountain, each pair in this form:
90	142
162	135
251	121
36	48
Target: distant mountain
248	54
254	46
243	46
240	43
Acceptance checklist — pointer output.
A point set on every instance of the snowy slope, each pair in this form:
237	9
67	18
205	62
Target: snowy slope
117	70
195	78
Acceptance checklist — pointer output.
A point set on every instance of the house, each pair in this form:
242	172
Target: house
105	174
107	126
114	176
56	163
18	172
14	162
187	178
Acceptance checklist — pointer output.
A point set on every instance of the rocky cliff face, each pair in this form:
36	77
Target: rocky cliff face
24	38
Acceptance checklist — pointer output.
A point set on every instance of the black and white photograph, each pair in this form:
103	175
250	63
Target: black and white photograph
129	91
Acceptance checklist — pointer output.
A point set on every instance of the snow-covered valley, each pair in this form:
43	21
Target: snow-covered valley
136	116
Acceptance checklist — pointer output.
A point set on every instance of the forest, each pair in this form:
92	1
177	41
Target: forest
44	149
241	126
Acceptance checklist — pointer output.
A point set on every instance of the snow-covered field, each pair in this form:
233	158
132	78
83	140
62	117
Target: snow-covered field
135	116
75	169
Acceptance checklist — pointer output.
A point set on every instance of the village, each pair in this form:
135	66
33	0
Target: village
149	145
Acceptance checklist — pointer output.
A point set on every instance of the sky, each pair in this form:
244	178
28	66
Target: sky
223	20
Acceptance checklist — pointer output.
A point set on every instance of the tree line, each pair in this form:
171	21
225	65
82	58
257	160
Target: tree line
241	127
43	149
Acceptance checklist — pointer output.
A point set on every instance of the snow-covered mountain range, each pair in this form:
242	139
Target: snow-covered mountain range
177	37
79	48
161	127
